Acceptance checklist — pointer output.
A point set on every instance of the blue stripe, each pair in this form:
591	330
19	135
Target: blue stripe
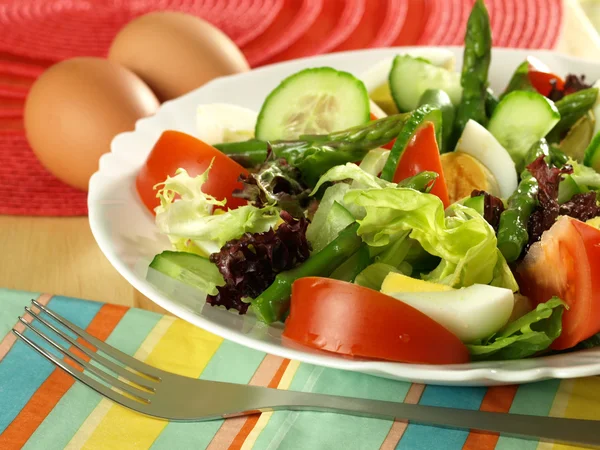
22	370
425	437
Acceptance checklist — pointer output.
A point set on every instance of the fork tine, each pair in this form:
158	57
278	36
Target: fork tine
109	350
86	379
128	388
122	371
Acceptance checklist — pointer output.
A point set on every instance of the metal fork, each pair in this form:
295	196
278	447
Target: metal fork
165	395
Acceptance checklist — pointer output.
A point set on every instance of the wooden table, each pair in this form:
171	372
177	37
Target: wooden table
66	260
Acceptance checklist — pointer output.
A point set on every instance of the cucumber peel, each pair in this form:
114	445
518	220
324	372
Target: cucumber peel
419	117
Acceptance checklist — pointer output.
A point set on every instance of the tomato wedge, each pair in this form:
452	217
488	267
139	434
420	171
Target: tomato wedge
422	154
542	81
352	320
175	150
566	263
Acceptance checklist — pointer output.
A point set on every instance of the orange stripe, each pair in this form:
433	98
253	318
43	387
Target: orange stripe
247	428
497	399
399	426
10	339
56	385
231	427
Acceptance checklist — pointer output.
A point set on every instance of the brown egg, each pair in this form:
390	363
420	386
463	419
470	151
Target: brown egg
75	109
175	53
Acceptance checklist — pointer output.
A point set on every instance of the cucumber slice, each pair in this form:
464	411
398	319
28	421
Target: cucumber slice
439	99
591	157
313	101
419	116
411	77
520	120
337	219
190	269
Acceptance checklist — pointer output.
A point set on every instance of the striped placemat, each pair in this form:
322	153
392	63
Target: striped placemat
43	408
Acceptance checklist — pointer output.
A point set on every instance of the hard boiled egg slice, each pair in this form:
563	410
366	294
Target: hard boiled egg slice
471	313
217	123
483	146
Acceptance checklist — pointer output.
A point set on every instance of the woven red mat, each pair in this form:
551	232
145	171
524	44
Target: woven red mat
37	33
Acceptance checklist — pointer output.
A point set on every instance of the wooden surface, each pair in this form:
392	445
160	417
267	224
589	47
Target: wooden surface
59	255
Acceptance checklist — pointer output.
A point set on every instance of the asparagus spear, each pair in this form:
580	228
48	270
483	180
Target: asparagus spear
273	303
571	108
315	154
512	230
474	77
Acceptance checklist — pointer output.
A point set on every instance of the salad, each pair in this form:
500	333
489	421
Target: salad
406	214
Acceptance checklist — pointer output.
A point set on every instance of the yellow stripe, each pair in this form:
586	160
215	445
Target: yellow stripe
286	381
96	416
582	403
184	349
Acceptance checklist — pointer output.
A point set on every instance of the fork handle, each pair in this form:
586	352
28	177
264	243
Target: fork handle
577	431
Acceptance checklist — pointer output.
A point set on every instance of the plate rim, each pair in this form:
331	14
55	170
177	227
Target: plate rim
476	374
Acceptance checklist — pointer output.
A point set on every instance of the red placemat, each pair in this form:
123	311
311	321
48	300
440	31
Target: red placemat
37	33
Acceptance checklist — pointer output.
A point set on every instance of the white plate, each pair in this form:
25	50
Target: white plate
125	231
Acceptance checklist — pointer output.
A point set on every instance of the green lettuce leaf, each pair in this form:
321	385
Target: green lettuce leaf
584	176
185	216
373	275
463	240
526	336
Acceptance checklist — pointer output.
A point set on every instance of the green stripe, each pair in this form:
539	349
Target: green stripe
231	363
535	399
76	405
294	430
13	303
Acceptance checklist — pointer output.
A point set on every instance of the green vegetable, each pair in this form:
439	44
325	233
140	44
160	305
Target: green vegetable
375	160
273	303
333	194
491	101
557	156
189	224
337	219
567	188
419	116
440	100
476	64
313	101
422	182
586	178
512	230
250	153
314	155
519	81
354	265
410	77
530	334
503	276
571	108
477	203
190	269
464	242
520	120
373	275
579	137
592	153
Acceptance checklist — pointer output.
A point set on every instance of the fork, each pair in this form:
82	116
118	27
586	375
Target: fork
154	392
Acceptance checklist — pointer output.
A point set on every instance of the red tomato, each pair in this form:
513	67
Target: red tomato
390	144
422	154
352	320
541	81
175	150
566	263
